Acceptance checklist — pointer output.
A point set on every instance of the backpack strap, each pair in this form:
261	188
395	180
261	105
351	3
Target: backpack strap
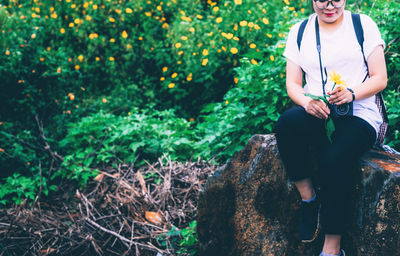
301	32
378	97
359	34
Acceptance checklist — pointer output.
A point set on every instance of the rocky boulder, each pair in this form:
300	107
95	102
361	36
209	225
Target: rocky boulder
249	208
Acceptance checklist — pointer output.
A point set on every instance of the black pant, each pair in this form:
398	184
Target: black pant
297	132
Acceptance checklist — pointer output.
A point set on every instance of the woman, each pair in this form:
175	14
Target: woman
304	125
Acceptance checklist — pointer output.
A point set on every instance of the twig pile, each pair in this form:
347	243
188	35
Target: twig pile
121	212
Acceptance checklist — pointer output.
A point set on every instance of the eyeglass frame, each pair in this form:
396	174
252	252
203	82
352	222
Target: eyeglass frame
330	2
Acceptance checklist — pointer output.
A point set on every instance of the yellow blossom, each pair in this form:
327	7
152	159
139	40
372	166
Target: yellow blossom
253	45
165	69
243	23
204	62
189	77
62	30
266	21
97	58
205	52
336	78
162	78
226	102
128	10
218	20
174	75
236	80
124	34
238	2
77	67
111	19
148	14
253	61
178	45
171	85
272	58
77	21
184	38
192	30
95	7
80	58
234	50
71	25
54	15
111	59
33	36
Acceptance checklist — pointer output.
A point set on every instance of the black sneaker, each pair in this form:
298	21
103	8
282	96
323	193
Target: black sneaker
309	225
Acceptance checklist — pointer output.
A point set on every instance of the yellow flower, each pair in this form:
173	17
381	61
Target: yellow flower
124	34
97	58
112	40
253	45
216	9
111	19
178	45
77	21
111	59
80	58
54	15
171	85
272	58
218	20
95	7
205	52
266	21
128	10
189	77
234	50
174	75
236	80
192	30
71	25
164	69
148	14
62	30
243	23
77	67
253	61
226	102
204	62
162	78
184	38
238	2
336	78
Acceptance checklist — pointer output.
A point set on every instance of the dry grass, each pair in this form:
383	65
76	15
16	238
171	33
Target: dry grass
108	217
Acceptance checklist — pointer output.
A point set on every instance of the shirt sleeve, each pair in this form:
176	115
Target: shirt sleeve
372	36
291	50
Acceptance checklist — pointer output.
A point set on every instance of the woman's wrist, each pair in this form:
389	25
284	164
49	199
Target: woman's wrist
352	94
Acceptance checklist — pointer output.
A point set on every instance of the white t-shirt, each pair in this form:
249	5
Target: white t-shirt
340	52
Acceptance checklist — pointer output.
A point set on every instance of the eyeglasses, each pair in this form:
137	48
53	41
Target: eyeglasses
323	4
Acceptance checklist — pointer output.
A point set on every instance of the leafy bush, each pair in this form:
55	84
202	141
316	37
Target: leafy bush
102	140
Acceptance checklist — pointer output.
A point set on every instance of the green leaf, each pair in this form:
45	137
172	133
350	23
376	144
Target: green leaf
330	128
314	97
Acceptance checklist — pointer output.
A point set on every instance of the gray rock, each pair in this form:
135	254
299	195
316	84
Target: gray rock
248	208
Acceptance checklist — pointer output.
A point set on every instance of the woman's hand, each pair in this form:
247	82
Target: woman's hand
340	96
317	108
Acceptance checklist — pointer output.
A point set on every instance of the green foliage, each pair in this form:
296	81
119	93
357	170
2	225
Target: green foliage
183	240
102	140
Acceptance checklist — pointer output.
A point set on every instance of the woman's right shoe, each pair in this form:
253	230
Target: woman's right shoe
309	225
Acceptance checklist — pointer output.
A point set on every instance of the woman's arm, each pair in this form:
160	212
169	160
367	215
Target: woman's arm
376	83
294	81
